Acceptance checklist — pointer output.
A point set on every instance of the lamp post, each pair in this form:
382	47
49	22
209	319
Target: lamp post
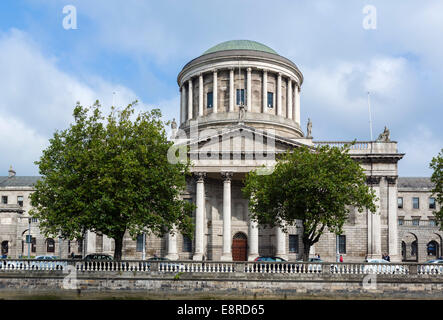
144	247
337	249
60	247
29	238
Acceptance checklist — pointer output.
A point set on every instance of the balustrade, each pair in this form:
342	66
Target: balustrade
7	265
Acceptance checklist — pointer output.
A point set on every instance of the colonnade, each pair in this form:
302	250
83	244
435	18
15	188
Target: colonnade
253	243
292	105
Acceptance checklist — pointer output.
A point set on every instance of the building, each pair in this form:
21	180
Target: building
240	106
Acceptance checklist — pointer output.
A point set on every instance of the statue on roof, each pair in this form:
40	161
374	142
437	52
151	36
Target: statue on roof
309	129
173	124
384	136
173	128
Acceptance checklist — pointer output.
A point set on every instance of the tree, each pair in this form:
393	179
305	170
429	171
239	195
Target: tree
111	175
317	187
437	179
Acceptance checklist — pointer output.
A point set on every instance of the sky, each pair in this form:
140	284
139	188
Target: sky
122	51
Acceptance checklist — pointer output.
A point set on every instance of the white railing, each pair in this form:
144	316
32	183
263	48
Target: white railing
358	145
7	265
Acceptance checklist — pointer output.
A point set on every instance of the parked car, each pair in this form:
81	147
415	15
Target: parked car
313	267
98	257
382	266
433	266
165	265
312	260
269	259
38	263
45	262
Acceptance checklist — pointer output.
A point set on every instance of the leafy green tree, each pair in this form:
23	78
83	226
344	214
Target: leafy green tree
111	175
316	187
437	178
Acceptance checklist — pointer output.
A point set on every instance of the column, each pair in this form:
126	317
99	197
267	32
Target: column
281	244
90	242
279	106
182	104
393	220
253	240
231	90
226	253
248	89
200	95
265	91
214	91
297	104
289	99
199	217
172	245
190	99
107	244
374	232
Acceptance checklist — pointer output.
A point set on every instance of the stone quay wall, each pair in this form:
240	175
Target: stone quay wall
219	285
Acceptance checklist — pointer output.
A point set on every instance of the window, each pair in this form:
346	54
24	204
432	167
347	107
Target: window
270	100
191	214
414	248
34	220
342	244
293	243
240	97
415	203
50	245
187	244
431	203
400	202
415	222
5	247
140	240
432	223
5	199
20	201
209	99
401	222
80	246
432	248
33	244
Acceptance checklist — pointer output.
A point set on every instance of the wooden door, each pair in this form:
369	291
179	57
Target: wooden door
240	247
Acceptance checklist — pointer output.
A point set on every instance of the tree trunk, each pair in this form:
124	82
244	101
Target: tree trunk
306	249
118	240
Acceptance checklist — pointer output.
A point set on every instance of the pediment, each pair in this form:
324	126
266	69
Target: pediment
241	138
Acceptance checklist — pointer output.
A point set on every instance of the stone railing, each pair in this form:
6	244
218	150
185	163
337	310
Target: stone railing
417	223
358	145
223	267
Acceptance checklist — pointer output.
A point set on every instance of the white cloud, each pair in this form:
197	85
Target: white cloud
420	146
20	145
37	98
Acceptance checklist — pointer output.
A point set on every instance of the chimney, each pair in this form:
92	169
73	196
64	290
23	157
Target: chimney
11	172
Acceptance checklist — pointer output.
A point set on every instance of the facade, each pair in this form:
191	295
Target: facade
240	106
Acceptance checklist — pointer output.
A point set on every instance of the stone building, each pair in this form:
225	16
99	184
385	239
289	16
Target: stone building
239	108
421	238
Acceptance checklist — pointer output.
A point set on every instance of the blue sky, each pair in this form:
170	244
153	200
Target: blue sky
136	49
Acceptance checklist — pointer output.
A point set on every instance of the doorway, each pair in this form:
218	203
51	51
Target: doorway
240	247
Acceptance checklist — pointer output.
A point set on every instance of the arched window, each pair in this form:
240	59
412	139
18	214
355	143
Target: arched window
403	250
140	242
414	248
4	247
187	244
432	248
50	245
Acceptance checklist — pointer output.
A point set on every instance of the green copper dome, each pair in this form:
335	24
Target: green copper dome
240	45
